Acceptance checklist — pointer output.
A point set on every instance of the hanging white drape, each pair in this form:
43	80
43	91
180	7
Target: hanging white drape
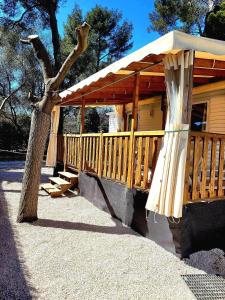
119	117
52	145
166	192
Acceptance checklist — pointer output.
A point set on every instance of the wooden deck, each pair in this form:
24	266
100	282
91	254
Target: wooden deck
130	158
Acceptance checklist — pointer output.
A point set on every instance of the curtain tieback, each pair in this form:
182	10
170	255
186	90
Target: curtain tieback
176	130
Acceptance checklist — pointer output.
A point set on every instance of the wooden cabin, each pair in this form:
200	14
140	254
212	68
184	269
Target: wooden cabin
169	148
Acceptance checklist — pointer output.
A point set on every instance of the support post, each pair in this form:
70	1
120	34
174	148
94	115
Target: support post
135	102
65	152
124	118
82	116
130	175
82	119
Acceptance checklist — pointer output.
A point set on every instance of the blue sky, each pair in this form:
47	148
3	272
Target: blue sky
135	11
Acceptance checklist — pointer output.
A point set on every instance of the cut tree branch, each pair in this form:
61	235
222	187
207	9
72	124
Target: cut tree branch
8	97
82	37
41	54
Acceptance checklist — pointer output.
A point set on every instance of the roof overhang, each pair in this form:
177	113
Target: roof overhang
114	84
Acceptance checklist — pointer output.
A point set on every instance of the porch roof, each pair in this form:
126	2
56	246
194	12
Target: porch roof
114	84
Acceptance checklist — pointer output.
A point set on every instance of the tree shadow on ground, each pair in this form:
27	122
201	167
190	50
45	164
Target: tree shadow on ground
8	173
13	273
14	276
118	229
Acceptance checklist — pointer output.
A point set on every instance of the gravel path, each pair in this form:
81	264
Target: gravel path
75	251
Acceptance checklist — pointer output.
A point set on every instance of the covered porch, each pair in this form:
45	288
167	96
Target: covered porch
169	165
130	155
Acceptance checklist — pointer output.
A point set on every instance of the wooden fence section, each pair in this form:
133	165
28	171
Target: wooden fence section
205	169
130	158
147	145
72	150
126	157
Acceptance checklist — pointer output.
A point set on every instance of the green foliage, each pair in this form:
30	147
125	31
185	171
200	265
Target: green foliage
109	40
11	138
185	15
96	119
104	119
34	16
17	66
28	14
71	120
215	23
92	120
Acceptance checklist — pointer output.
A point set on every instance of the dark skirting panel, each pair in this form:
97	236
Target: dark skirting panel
202	226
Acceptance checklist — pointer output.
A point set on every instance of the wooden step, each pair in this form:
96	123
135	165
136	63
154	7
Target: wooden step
51	189
64	185
59	181
73	178
68	174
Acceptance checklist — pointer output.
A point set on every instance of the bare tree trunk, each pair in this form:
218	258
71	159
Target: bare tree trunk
40	121
40	124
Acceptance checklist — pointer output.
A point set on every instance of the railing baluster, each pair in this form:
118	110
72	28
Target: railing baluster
96	154
76	158
93	153
105	157
213	170
130	174
83	152
87	151
139	162
146	163
195	188
65	152
118	177
187	173
221	169
125	158
114	158
109	173
89	156
100	156
203	190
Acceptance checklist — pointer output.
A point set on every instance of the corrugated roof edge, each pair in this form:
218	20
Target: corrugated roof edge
174	40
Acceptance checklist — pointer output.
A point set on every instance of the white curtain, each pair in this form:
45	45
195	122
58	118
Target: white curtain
119	117
52	145
167	188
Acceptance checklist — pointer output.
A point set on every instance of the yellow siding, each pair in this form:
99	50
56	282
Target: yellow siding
150	117
216	114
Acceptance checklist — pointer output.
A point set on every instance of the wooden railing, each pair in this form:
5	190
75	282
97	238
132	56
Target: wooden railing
130	158
126	157
205	168
146	150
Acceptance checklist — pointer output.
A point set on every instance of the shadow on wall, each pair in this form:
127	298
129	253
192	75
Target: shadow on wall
14	277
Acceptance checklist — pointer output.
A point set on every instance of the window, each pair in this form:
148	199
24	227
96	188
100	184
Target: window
199	117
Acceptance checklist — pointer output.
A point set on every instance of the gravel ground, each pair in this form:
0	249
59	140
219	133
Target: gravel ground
75	251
